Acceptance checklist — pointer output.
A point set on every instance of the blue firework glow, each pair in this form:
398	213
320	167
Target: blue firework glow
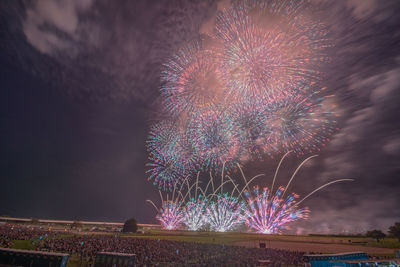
268	214
300	123
253	88
215	140
263	211
172	157
170	215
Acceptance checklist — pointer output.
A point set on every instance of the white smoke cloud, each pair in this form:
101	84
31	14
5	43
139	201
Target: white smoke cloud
53	25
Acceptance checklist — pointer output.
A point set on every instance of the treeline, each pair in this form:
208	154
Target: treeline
393	231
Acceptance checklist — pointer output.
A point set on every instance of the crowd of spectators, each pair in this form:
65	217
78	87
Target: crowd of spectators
24	232
150	252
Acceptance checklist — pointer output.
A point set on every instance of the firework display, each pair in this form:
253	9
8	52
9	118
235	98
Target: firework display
171	156
170	215
227	206
299	123
224	213
253	88
165	172
191	81
267	213
215	141
194	213
271	47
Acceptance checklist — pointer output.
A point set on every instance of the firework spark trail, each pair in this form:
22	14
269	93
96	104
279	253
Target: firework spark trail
215	140
191	81
270	215
194	209
300	123
255	91
224	213
194	213
170	213
269	48
171	156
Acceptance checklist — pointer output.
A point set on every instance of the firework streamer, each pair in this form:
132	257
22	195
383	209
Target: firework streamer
170	213
268	215
194	210
267	212
194	213
224	212
254	88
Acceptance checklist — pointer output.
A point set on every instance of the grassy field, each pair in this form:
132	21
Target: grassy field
23	244
231	238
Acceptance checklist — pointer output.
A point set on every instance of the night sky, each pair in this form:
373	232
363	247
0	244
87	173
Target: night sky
79	89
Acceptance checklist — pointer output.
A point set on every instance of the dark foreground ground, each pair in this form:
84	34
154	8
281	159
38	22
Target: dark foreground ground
179	248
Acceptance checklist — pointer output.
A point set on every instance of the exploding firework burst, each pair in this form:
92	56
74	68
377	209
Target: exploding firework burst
172	157
170	215
215	140
269	214
166	172
251	126
253	88
191	81
302	123
194	213
270	47
224	213
264	212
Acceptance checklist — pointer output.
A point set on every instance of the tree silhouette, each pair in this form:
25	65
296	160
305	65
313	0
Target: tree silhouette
377	234
130	226
394	230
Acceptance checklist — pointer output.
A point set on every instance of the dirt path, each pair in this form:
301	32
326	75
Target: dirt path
316	247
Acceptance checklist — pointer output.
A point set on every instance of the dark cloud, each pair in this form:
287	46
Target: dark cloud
101	49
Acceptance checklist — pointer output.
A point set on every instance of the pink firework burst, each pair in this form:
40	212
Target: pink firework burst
269	214
170	215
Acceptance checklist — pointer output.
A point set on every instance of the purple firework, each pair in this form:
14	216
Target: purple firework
269	214
170	214
215	140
